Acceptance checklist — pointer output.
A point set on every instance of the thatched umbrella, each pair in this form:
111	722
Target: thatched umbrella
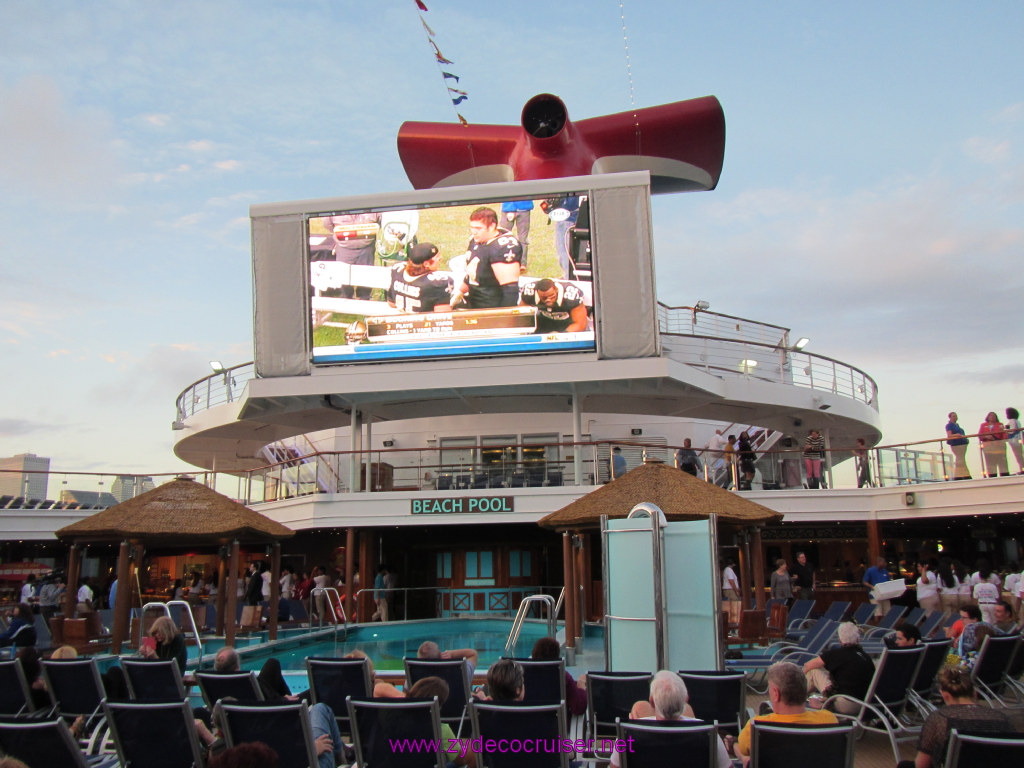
181	513
680	495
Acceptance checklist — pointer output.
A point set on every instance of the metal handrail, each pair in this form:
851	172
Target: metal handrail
327	592
517	625
165	608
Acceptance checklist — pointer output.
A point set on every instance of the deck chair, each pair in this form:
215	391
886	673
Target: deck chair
331	681
914	615
814	643
799	612
154	735
718	697
377	724
782	746
930	623
516	721
543	681
456	673
15	694
153	681
966	751
47	743
76	690
610	697
883	708
284	727
862	614
991	670
886	624
921	688
662	743
241	686
835	612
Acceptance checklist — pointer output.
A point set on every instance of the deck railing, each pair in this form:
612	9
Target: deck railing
432	473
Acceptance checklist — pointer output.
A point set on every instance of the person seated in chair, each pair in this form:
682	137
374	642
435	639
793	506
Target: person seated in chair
326	736
504	682
906	635
170	643
668	702
271	681
787	694
548	649
20	631
961	711
428	688
845	670
430	650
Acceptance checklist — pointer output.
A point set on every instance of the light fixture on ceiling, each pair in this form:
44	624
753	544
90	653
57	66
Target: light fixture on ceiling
802	342
218	366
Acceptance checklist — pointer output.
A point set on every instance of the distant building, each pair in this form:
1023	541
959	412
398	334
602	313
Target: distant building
89	499
25	477
127	487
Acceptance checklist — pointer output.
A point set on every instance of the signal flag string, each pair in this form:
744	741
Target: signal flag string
629	72
456	95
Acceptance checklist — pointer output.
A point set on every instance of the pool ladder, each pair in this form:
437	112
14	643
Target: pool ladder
331	598
165	609
524	607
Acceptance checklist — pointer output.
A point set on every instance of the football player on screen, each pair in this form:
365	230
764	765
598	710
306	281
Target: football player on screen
494	263
416	287
560	307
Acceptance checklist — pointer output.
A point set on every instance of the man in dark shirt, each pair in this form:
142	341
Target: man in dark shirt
414	285
846	669
560	307
803	577
493	265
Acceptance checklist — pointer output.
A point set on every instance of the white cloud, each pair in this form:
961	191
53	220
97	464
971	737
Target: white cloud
987	150
157	119
227	165
199	145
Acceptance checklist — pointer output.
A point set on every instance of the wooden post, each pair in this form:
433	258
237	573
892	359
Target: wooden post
366	573
122	601
745	572
222	587
231	609
569	604
757	562
71	593
581	607
275	589
350	572
874	542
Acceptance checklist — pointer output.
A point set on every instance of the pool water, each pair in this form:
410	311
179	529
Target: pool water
387	644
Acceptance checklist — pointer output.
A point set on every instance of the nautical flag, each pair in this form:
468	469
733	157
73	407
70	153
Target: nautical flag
459	100
440	56
450	76
462	120
421	5
430	32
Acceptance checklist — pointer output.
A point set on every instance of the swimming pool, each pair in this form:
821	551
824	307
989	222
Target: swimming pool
387	644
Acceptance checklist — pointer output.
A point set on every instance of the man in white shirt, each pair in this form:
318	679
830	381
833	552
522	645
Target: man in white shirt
85	597
28	590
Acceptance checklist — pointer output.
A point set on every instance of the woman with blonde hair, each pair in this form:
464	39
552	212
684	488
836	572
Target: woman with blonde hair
381	689
169	643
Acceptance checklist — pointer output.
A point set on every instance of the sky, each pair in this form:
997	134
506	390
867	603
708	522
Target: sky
872	196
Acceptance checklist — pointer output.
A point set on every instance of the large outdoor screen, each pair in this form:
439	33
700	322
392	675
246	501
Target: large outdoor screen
488	278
